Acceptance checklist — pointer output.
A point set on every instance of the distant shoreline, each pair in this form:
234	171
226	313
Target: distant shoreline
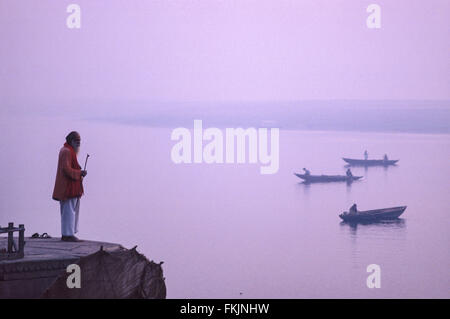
414	119
383	116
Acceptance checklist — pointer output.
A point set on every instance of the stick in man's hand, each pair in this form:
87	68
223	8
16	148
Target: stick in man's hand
84	172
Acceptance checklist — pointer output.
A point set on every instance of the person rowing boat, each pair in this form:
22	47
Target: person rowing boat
307	172
349	173
353	209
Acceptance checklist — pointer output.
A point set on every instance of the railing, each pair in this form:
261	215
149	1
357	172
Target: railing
13	252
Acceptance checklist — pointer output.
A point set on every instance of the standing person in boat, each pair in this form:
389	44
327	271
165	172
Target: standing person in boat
366	155
307	172
68	186
385	158
349	173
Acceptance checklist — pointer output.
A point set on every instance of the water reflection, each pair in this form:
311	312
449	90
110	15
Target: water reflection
371	167
373	225
306	187
308	184
349	186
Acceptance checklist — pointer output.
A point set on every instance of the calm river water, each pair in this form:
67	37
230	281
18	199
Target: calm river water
226	231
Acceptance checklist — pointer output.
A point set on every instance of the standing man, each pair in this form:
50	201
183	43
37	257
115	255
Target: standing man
68	186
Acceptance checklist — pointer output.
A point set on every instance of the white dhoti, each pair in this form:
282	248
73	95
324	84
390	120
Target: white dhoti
70	210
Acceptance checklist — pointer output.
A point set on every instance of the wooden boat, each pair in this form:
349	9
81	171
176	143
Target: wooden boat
327	178
364	162
373	215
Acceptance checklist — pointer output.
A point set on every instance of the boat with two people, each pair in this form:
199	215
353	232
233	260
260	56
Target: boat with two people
370	162
308	178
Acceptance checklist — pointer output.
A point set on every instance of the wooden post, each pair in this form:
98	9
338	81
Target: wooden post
10	237
21	238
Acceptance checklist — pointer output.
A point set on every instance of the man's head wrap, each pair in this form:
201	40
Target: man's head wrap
72	136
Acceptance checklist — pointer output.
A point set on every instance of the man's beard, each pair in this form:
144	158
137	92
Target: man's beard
76	149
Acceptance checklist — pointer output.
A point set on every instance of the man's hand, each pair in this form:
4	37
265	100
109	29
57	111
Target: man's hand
83	173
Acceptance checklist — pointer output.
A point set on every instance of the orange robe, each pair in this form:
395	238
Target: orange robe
68	182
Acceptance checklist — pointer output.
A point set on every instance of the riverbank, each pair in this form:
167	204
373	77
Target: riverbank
45	263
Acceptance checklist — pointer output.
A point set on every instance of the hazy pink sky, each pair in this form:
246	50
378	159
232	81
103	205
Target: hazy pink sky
213	50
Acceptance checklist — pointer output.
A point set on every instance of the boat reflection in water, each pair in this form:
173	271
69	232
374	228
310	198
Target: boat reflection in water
366	168
394	223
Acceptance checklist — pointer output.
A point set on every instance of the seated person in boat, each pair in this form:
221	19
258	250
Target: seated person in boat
349	173
366	155
307	172
385	158
353	209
